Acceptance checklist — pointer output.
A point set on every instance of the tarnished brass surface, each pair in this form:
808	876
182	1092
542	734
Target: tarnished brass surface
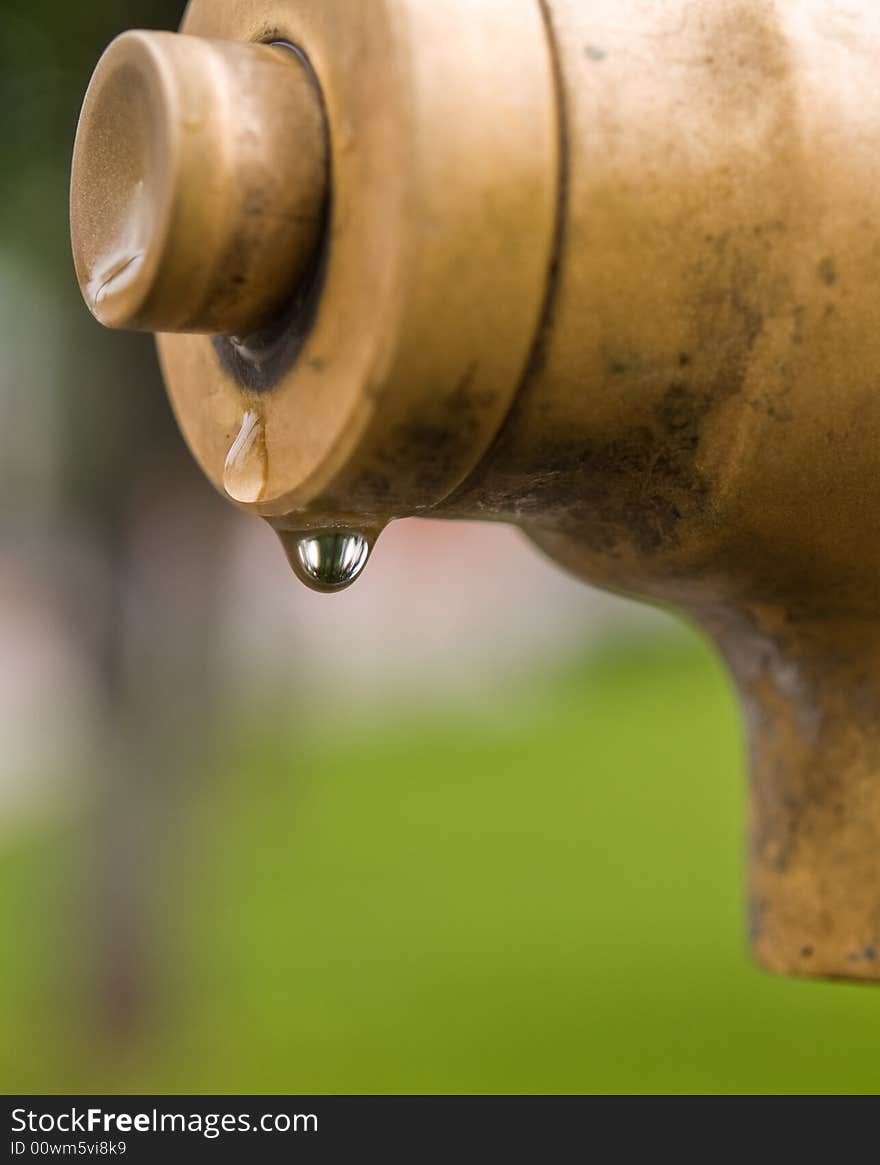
608	270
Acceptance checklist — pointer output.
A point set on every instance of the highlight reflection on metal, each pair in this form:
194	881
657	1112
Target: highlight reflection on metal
330	561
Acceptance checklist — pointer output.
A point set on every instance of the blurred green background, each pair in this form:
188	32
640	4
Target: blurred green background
467	830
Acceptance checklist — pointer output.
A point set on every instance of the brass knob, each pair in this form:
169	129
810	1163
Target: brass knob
199	182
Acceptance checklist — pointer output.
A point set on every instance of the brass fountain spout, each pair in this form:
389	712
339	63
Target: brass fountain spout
605	269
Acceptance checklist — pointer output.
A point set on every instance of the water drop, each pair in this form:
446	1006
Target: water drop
115	274
244	475
113	279
328	561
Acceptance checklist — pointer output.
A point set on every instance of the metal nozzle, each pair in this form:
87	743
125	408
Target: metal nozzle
190	211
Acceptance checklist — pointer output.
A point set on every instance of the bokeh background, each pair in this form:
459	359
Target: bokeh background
471	827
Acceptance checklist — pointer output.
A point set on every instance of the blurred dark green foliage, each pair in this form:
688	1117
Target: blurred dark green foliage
112	403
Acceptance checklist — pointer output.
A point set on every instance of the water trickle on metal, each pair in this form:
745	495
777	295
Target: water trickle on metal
246	469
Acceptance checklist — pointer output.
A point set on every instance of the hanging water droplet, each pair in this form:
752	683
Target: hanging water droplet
328	561
244	475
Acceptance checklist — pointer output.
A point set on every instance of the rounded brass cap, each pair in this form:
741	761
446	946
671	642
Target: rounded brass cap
198	185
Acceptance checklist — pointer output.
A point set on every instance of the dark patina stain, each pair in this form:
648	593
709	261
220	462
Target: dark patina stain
827	272
428	452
